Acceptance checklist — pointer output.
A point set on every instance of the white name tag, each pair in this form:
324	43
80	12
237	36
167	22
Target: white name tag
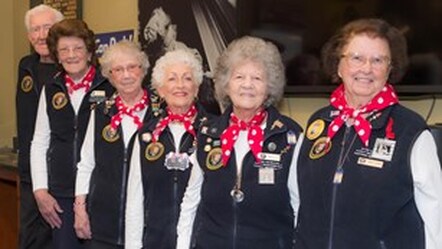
266	176
370	162
270	156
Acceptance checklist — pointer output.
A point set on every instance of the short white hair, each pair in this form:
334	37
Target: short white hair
131	48
173	57
40	9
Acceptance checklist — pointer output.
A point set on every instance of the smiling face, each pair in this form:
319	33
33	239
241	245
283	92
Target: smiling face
73	56
364	68
126	74
247	87
39	25
178	88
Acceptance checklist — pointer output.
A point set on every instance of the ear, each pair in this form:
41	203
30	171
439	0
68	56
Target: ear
29	37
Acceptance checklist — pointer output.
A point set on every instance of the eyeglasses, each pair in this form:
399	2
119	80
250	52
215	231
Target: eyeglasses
377	62
76	50
37	29
118	71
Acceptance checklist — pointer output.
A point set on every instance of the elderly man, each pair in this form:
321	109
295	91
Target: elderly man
33	72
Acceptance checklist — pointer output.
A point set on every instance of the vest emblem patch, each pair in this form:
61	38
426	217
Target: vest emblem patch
26	84
109	135
320	147
315	129
59	100
154	151
213	159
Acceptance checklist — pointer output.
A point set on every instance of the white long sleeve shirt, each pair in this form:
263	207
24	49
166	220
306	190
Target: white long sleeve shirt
427	179
135	194
87	163
192	196
41	139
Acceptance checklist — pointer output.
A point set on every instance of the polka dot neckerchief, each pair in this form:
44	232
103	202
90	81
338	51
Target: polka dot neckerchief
186	119
128	111
85	82
255	135
385	98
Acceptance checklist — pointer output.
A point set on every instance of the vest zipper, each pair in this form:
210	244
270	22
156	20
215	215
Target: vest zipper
175	203
120	240
75	153
337	180
235	224
382	244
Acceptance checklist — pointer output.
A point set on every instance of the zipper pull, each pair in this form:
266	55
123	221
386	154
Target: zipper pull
339	175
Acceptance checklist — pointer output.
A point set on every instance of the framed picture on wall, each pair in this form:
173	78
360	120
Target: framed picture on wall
71	9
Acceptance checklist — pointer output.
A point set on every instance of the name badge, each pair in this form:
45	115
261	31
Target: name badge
370	162
266	176
270	156
383	149
177	161
97	96
269	160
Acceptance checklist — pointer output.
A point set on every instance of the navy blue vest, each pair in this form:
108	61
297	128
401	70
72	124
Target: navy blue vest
67	133
164	188
374	205
109	179
264	219
28	93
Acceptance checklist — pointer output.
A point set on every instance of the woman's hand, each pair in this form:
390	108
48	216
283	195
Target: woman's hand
48	207
82	225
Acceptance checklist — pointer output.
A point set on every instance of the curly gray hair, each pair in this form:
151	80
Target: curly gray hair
111	55
173	57
256	50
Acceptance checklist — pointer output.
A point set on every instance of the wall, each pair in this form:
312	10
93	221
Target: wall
106	16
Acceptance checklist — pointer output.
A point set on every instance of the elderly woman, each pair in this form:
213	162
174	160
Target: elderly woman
62	118
160	166
107	148
368	171
240	183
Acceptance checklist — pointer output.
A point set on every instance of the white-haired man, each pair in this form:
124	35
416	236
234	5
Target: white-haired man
34	71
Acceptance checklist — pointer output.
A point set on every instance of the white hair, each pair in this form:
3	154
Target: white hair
173	57
131	48
40	9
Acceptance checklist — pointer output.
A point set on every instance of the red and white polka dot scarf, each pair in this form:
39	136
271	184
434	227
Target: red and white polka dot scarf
128	111
186	119
382	100
86	82
255	135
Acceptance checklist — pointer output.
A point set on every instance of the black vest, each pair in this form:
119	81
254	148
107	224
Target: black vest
164	188
109	179
27	96
67	132
264	219
374	204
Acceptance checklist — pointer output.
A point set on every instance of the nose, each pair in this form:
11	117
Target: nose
71	53
126	72
42	34
247	82
367	66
